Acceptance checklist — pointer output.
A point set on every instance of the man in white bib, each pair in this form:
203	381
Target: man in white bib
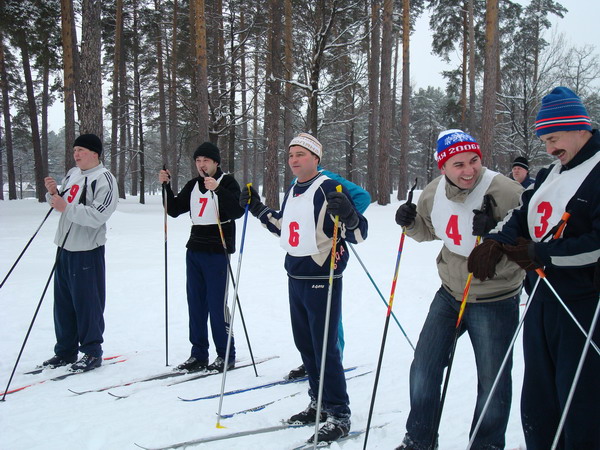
552	342
466	201
305	225
88	199
210	198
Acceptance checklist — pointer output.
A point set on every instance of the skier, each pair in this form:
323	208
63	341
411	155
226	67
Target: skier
89	199
552	343
210	198
305	225
450	209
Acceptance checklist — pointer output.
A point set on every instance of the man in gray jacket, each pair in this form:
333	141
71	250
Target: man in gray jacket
88	199
466	201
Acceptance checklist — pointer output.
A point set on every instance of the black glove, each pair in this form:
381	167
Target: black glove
483	259
255	206
483	222
523	254
406	214
339	205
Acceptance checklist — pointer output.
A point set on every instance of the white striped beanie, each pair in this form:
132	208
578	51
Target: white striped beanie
562	110
309	142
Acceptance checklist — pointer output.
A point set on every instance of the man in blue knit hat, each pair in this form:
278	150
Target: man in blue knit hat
552	342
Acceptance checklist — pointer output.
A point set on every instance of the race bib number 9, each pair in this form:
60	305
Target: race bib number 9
73	193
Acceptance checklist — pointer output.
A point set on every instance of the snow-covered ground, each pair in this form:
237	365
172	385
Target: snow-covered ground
48	416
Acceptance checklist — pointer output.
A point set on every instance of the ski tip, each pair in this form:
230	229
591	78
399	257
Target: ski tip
218	425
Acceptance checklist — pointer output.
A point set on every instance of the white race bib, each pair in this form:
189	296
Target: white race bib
453	221
204	206
298	233
549	202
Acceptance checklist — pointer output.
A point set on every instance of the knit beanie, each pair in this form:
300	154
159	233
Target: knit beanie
209	150
453	142
521	161
309	142
89	141
562	110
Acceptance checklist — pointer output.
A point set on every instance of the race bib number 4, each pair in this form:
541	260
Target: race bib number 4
452	230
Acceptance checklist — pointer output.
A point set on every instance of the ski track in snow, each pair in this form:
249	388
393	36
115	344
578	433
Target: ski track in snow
48	416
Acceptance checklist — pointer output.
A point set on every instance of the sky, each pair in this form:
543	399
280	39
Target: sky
426	68
579	25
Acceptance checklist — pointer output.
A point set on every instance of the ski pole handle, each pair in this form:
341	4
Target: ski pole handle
248	186
560	227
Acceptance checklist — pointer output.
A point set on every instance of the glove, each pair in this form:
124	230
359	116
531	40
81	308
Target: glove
483	222
523	254
406	214
483	259
255	206
339	205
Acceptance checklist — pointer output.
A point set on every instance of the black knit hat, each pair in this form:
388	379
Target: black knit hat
209	150
89	141
521	161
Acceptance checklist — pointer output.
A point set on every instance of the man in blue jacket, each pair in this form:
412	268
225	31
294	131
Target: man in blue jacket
552	342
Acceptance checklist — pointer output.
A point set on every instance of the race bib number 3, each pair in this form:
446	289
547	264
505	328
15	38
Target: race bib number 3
544	211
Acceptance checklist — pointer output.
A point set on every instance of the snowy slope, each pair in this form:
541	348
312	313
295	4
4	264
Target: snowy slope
48	416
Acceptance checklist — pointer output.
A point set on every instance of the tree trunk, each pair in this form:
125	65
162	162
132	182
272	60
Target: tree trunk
33	119
472	70
69	48
89	93
171	158
385	117
139	142
405	113
201	70
288	97
160	79
10	162
114	138
243	87
489	81
374	57
272	105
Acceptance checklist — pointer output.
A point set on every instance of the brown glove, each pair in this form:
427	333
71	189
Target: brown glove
523	254
483	259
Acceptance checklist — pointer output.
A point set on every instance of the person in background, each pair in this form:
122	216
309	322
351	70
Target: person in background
210	198
466	201
520	172
89	198
305	225
552	342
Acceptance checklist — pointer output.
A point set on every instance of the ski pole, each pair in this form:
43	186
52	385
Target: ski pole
235	289
164	195
584	352
230	270
37	309
556	233
387	321
381	295
336	221
28	243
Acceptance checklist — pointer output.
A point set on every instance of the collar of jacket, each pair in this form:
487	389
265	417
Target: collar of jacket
456	194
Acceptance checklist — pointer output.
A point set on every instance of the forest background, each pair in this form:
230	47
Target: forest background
155	78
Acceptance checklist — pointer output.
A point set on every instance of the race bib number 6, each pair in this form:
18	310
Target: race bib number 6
294	239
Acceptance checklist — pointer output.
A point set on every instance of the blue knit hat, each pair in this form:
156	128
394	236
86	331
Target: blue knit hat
562	110
453	142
